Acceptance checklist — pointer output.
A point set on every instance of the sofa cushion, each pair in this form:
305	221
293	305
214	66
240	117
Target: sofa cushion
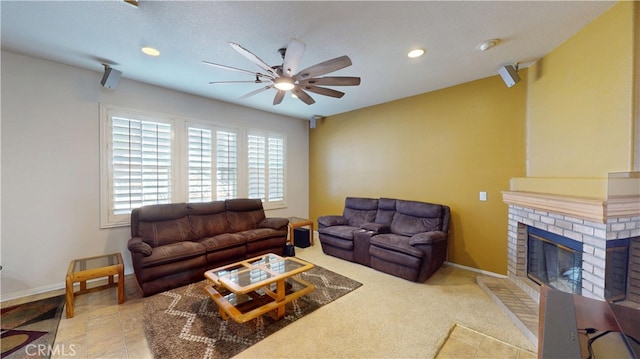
257	234
360	210
162	233
174	252
163	212
386	210
396	243
415	217
343	232
224	240
244	214
274	223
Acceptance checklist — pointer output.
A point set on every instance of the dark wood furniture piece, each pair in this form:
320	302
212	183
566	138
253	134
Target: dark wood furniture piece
567	323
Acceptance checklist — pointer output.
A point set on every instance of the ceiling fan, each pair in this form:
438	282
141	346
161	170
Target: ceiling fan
286	77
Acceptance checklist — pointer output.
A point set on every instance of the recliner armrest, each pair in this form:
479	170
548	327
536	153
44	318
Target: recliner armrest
377	228
274	223
428	238
136	245
328	221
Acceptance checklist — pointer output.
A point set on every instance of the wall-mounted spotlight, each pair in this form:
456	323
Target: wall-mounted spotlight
509	74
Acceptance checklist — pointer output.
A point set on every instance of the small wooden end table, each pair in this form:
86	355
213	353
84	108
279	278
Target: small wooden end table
82	270
297	222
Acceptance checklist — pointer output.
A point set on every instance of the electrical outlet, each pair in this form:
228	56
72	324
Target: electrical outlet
483	196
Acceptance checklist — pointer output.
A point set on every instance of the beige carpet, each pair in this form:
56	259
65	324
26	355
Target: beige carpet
388	317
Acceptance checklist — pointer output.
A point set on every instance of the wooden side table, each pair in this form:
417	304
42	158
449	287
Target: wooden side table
82	270
297	222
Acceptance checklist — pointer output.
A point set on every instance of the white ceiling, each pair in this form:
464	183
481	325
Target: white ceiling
376	35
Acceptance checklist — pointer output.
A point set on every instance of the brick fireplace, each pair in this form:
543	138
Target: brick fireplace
601	226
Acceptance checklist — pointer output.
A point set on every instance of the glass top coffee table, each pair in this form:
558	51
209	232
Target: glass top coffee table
256	286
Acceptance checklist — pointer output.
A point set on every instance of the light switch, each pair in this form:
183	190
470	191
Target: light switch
483	196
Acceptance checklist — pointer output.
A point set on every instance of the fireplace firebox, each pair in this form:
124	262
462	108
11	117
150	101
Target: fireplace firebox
554	260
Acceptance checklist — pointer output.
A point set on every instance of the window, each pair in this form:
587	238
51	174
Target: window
139	158
226	164
266	168
153	159
203	147
200	167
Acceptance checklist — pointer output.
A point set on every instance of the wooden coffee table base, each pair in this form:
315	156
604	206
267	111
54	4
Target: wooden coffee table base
272	303
261	285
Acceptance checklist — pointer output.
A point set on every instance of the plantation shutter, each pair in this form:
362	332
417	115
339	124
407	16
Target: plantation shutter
141	164
200	161
276	169
256	160
226	165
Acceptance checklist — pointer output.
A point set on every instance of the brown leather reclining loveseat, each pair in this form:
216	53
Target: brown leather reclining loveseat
174	244
407	239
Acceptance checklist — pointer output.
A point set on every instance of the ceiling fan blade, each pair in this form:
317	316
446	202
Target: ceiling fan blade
324	91
279	97
262	89
332	81
293	57
323	68
303	96
225	67
234	82
255	59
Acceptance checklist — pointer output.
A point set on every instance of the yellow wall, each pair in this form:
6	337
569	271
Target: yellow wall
569	121
580	109
442	147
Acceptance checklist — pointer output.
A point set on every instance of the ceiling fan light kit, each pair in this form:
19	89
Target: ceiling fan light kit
286	77
284	84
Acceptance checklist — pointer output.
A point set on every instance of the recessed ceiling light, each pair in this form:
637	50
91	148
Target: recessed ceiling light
416	53
486	45
150	51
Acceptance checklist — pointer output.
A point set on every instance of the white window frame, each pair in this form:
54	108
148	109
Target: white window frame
107	218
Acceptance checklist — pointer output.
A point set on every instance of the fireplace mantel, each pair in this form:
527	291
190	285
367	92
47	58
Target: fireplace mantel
592	209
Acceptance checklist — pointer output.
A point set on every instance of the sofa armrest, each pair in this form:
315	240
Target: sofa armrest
274	223
377	228
328	221
136	245
428	238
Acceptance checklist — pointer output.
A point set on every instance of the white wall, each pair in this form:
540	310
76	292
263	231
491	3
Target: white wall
50	164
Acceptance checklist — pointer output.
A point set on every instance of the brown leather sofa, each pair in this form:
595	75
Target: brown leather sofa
407	239
174	244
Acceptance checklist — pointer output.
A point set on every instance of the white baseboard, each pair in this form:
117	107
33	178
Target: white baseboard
44	289
492	274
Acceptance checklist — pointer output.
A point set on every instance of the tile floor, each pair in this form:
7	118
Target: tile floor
465	343
101	328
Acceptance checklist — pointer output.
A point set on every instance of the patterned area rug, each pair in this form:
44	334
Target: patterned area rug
29	330
184	322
